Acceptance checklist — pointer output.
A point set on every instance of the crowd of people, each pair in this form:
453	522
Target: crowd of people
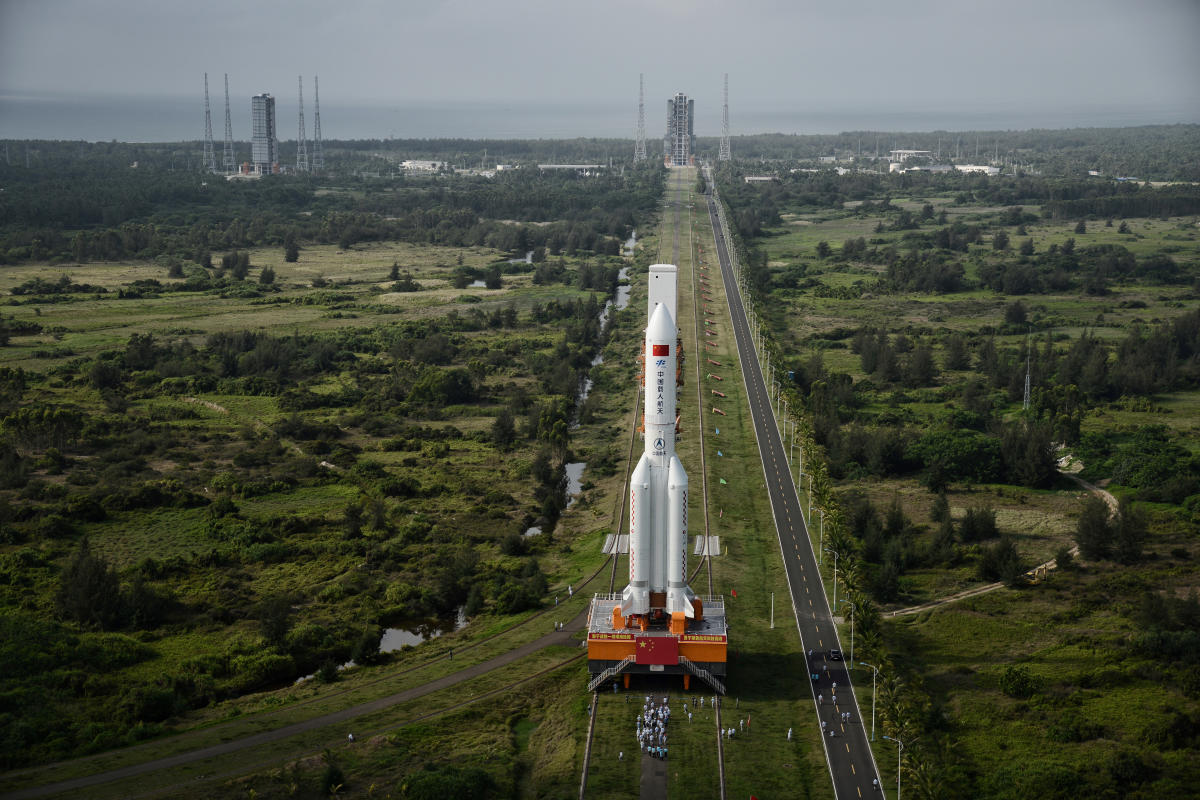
652	726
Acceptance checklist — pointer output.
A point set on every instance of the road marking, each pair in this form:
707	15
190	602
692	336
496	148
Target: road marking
847	747
859	789
853	771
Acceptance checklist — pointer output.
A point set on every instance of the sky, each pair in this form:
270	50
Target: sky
781	55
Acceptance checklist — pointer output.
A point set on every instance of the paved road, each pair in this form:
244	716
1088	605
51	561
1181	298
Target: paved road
848	753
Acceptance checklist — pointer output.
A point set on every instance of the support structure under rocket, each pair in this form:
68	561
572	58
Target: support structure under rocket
658	487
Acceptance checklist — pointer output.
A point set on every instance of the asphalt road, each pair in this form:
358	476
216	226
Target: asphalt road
847	753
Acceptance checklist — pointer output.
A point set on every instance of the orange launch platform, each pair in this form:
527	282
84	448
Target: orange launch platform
621	650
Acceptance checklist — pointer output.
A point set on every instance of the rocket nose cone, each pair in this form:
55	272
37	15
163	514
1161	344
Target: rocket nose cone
661	327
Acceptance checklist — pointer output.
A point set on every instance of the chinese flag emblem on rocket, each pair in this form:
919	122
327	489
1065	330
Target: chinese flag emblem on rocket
657	650
660	349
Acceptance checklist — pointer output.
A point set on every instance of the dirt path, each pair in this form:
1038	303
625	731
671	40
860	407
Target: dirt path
344	716
1033	574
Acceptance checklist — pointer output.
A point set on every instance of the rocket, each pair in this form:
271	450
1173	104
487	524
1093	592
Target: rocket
659	485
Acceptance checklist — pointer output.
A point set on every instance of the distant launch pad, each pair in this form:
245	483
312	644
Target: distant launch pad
657	624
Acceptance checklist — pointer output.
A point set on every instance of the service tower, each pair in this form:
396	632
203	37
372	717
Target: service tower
658	624
263	153
679	145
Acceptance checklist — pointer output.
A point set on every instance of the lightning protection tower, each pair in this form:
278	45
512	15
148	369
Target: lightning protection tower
301	139
723	154
639	145
318	155
210	160
229	162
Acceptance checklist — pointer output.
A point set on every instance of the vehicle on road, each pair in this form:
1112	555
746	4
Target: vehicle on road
835	655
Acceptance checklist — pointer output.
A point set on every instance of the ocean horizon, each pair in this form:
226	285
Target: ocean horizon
175	119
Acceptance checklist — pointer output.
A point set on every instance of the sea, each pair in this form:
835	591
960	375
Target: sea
171	119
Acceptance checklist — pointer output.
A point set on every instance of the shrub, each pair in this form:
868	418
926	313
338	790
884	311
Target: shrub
328	673
1017	682
978	524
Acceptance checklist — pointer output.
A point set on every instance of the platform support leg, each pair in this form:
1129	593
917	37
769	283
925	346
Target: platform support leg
687	681
626	677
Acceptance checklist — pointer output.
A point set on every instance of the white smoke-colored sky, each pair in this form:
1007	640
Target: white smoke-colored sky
778	53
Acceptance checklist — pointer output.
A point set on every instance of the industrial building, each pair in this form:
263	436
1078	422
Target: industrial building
679	145
264	155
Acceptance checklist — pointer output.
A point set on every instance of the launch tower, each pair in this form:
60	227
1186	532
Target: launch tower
679	145
264	146
657	624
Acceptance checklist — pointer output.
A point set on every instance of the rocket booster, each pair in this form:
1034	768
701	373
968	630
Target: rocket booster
658	487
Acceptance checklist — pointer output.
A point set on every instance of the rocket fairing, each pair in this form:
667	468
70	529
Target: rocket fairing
659	484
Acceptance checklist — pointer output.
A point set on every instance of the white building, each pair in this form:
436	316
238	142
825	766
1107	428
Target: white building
982	169
415	165
905	155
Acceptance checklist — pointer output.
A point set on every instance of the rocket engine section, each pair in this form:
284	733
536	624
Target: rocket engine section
659	484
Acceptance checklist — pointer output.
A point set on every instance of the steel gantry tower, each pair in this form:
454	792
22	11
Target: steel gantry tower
724	155
210	159
318	155
229	164
301	139
679	143
639	145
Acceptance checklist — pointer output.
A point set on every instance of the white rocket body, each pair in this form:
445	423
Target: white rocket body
659	484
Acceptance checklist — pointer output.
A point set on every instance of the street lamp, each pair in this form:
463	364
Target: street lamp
874	675
821	541
810	495
899	750
835	555
851	630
